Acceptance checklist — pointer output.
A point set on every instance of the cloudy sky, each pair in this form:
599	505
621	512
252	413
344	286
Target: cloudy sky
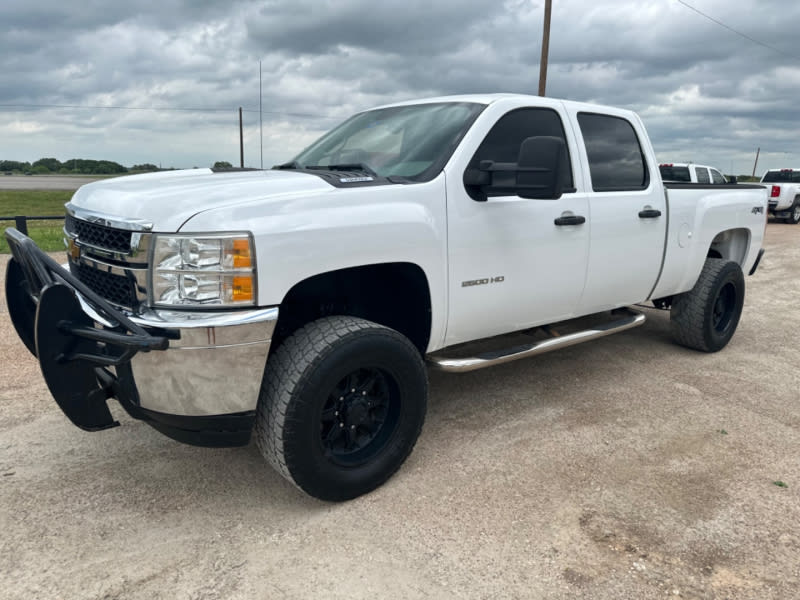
161	82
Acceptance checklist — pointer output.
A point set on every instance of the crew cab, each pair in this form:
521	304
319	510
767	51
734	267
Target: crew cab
783	186
301	304
690	173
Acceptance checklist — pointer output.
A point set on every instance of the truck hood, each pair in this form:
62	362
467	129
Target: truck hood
167	200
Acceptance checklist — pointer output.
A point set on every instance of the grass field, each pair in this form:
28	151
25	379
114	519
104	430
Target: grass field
47	234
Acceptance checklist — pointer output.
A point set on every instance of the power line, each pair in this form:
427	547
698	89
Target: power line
190	109
172	108
737	32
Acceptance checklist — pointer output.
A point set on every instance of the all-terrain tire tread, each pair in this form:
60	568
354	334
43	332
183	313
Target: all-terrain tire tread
790	220
688	315
285	371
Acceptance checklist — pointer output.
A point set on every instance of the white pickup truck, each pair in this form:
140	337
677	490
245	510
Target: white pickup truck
301	303
784	194
690	173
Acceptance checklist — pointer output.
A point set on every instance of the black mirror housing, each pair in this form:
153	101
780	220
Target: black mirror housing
539	172
540	168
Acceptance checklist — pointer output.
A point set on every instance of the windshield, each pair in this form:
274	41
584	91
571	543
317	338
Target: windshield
672	173
783	176
412	142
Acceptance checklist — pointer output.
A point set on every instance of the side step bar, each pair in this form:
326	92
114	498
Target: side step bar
632	318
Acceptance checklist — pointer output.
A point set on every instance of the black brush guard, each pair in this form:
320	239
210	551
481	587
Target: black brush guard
75	352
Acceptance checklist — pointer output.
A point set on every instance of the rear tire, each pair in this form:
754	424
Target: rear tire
794	213
705	318
342	404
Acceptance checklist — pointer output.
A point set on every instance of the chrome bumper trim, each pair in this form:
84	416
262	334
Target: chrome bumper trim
215	368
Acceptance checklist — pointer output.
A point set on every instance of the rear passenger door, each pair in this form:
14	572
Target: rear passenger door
702	175
627	212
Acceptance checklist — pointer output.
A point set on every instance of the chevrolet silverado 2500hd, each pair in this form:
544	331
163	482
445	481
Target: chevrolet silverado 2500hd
784	194
301	303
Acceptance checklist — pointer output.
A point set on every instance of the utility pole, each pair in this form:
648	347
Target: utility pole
241	140
545	47
756	163
260	119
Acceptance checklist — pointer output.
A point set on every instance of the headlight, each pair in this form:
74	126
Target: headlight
203	269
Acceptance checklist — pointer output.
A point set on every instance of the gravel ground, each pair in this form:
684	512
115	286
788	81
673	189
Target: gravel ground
627	467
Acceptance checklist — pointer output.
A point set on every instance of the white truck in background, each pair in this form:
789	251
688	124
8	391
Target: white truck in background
301	303
783	188
691	173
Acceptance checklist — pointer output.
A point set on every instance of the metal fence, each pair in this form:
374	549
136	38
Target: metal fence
21	222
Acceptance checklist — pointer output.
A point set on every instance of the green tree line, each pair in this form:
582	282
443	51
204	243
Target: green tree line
82	166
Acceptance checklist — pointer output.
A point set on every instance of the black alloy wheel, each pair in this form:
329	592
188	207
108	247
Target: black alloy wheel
724	308
359	416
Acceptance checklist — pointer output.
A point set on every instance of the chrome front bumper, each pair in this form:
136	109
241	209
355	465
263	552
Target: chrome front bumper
215	367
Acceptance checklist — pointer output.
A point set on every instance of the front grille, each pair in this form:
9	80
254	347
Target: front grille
99	236
117	289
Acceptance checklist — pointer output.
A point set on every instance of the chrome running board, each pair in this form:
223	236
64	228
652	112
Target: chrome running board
632	318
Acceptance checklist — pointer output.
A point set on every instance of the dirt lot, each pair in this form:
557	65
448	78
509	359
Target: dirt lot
623	468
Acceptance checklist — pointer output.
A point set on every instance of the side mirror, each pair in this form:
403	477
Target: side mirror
540	167
539	172
732	179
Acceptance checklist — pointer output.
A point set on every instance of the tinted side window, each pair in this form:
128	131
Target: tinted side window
717	177
702	175
670	173
616	161
503	141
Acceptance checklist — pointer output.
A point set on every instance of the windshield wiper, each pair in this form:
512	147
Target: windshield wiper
344	167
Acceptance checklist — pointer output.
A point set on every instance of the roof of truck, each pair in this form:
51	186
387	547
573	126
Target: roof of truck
491	98
687	165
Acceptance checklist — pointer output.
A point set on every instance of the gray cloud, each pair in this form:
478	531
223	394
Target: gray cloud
704	92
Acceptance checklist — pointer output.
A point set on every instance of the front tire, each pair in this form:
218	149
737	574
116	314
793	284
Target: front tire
705	318
341	406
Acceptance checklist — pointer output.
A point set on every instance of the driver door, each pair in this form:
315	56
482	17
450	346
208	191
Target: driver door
511	266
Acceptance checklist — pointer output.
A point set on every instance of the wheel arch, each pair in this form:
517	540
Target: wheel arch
395	294
731	244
